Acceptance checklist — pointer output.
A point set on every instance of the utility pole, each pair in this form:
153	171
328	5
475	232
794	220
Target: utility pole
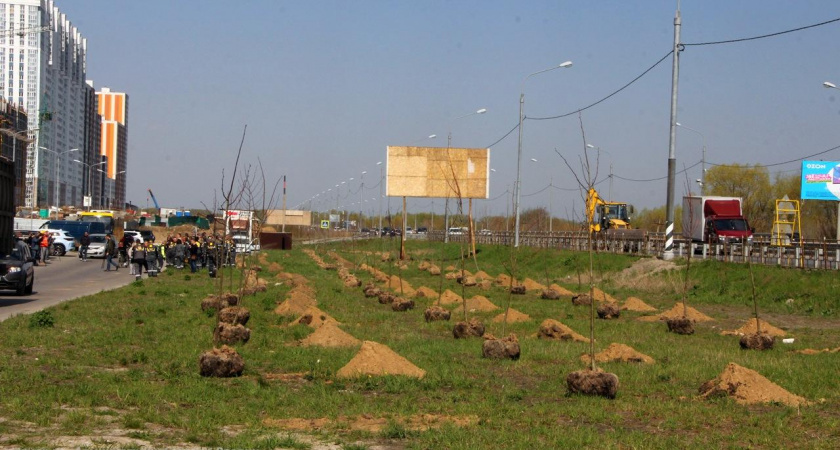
668	254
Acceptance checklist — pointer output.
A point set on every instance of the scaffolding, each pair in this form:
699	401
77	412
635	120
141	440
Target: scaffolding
787	225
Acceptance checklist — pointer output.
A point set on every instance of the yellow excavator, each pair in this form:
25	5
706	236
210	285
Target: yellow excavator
610	215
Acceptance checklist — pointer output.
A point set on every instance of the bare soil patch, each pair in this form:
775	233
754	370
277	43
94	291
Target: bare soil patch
640	273
676	312
478	303
636	304
314	317
748	387
811	351
619	353
513	316
448	297
532	285
426	292
329	335
751	327
377	359
561	290
418	422
552	329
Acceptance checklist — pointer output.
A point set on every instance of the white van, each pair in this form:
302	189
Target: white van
457	231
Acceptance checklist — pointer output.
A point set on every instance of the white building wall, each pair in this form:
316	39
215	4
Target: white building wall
53	80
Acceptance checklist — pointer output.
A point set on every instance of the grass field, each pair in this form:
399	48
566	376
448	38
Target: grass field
120	369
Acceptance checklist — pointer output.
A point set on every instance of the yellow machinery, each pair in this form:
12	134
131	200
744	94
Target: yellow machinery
610	215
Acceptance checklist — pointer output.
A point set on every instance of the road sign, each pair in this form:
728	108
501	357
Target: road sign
325	224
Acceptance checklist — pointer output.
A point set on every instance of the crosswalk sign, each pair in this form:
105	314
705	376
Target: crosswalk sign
325	224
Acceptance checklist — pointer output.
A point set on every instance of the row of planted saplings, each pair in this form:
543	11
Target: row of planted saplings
230	329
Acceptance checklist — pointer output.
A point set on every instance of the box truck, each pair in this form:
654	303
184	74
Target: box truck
715	219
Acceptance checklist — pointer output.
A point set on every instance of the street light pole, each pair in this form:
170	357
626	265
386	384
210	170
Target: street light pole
448	146
830	85
58	175
90	175
361	190
518	186
668	254
381	178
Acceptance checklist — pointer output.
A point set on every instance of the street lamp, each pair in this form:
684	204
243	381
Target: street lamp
111	186
702	180
58	174
830	85
361	191
518	186
90	176
381	178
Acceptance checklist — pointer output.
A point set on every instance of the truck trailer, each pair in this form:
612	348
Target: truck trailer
715	219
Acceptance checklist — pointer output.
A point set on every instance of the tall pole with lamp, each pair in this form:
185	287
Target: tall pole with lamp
90	175
448	146
830	85
703	160
58	175
518	186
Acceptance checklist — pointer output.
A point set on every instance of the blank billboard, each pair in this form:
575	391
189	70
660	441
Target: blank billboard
438	172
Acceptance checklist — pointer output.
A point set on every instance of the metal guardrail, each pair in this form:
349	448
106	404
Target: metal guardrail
808	254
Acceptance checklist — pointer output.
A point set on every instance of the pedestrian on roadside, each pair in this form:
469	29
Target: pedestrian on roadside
44	244
84	244
35	247
193	254
110	253
138	259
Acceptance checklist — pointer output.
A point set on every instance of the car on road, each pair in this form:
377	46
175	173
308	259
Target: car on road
17	271
97	246
63	242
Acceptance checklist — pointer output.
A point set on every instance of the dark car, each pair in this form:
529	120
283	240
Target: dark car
17	271
148	235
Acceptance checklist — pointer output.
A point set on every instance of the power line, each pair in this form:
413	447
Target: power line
660	178
785	162
764	35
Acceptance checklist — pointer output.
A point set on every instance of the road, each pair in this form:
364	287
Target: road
64	278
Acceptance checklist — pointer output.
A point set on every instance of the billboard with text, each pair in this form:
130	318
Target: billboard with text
820	180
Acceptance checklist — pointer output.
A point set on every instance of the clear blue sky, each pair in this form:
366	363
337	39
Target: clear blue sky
325	86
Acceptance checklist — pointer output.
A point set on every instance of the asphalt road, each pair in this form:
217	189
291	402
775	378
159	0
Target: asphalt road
64	278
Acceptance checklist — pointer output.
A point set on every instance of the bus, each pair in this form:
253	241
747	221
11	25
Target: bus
103	216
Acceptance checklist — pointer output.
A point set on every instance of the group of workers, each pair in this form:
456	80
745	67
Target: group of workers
198	251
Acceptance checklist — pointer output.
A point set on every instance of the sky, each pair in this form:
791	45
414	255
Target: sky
324	87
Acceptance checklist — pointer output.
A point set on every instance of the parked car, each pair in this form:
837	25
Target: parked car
136	235
17	271
97	246
63	242
457	231
422	230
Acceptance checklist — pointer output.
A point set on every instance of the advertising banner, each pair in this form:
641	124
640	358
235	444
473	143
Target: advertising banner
435	172
820	180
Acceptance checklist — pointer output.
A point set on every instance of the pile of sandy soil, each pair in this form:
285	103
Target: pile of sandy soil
377	359
482	275
811	351
329	335
561	290
676	312
450	297
425	292
748	387
293	278
400	286
532	285
619	353
477	304
636	304
296	303
418	422
314	317
750	327
275	268
503	280
552	329
513	316
602	296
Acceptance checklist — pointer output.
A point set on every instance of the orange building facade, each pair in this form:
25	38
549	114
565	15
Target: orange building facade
113	108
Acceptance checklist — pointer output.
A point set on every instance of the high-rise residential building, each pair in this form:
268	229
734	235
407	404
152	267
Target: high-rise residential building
113	108
43	69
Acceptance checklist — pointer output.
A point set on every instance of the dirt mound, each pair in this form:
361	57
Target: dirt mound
636	304
478	303
532	285
377	359
425	292
400	286
676	312
811	351
504	280
552	329
482	275
314	317
602	296
419	422
619	353
561	290
450	297
274	267
329	335
297	303
513	316
750	327
748	387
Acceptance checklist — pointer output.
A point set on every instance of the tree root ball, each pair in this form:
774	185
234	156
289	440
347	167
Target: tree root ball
234	315
680	325
437	313
226	333
221	362
467	281
352	281
434	270
504	348
608	310
372	291
464	330
216	302
550	294
581	300
402	304
518	290
761	341
590	382
386	298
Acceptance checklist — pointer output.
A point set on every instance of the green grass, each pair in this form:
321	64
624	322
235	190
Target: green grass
134	353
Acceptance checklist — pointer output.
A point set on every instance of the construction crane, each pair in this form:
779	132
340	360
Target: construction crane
154	200
21	32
